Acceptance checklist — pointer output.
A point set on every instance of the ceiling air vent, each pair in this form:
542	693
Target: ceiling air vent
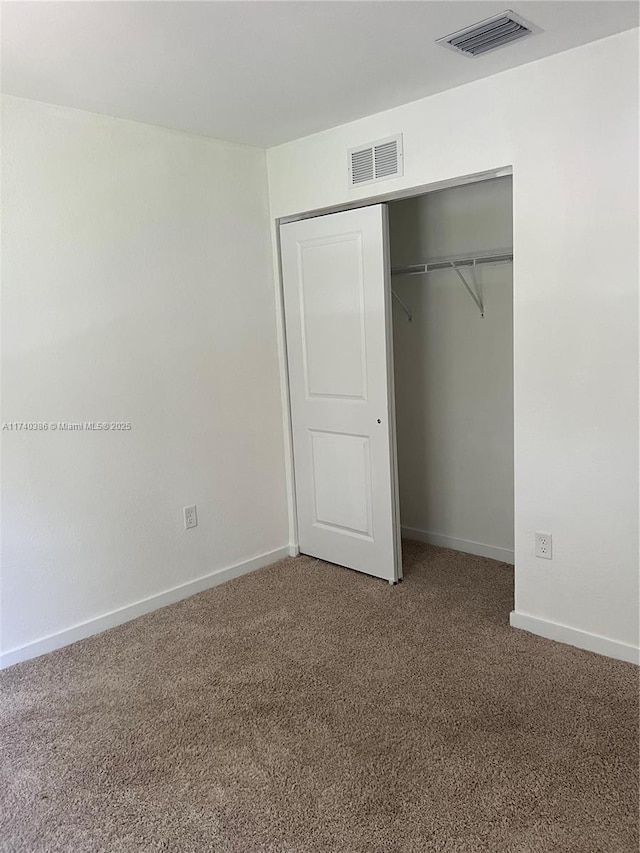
488	35
375	161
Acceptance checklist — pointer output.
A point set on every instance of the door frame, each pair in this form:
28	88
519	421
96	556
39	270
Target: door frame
397	195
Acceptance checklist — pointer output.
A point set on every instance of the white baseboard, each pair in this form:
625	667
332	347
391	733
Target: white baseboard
294	550
477	548
574	637
138	608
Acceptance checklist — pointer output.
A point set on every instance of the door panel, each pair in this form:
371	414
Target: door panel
342	482
337	295
332	300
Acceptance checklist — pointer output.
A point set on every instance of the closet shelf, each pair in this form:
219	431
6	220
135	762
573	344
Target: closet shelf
458	263
484	259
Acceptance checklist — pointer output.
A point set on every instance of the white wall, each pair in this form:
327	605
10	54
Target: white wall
568	125
137	286
454	371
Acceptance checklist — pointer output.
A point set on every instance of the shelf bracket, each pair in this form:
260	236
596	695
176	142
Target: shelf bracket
404	307
474	292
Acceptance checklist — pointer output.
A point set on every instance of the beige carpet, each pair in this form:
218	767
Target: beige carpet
307	708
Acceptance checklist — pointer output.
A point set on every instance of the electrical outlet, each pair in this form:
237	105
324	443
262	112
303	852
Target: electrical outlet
190	517
544	545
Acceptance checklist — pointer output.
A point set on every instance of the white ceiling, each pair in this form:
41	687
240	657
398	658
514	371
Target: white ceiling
266	72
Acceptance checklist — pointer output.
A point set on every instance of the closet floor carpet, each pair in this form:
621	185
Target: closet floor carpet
309	709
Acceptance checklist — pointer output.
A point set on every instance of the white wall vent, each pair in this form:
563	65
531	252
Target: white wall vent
489	35
376	161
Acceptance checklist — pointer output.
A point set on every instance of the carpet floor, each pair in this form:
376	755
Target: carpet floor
309	709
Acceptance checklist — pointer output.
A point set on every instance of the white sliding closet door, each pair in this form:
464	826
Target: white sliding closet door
338	324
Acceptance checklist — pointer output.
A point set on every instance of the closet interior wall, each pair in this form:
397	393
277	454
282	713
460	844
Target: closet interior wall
454	371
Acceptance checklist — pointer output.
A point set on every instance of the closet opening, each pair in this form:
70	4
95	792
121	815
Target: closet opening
452	287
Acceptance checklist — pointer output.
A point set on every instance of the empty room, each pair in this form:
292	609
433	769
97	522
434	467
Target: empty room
320	438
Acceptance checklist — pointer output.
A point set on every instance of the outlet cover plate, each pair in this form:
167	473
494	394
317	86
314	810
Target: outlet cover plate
544	545
190	517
